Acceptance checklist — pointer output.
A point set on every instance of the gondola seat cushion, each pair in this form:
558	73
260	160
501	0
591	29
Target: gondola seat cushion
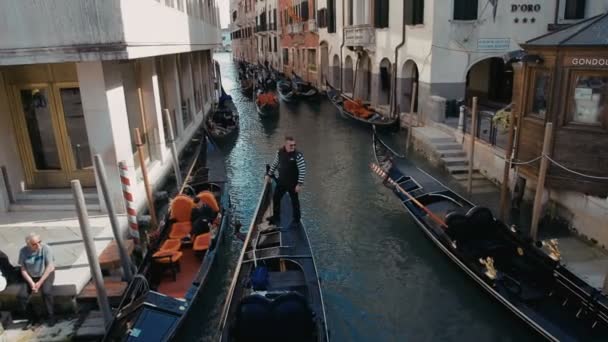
180	230
202	242
293	319
481	219
171	245
166	257
181	208
458	226
253	320
208	198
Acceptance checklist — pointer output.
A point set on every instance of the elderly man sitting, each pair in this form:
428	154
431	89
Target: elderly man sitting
38	271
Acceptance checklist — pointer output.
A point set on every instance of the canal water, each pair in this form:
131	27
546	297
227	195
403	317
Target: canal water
382	279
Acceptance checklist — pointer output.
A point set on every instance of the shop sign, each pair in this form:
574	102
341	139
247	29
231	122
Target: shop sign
588	61
493	44
525	8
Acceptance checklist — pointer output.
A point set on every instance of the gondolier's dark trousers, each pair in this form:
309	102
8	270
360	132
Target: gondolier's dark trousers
279	191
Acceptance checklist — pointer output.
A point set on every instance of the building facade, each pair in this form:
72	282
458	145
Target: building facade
267	33
226	40
77	79
242	25
378	50
299	38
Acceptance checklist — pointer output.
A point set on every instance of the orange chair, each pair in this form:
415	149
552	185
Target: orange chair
169	259
208	198
181	212
171	245
180	230
202	242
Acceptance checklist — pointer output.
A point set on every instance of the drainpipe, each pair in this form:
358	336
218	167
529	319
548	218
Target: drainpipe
393	108
342	48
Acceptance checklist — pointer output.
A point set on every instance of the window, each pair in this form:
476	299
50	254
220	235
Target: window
304	10
322	15
331	16
285	56
312	59
575	9
350	12
465	9
414	12
275	44
541	93
381	14
588	99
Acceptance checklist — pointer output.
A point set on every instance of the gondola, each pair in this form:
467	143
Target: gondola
246	86
303	88
223	121
176	267
268	108
285	90
375	118
526	277
275	294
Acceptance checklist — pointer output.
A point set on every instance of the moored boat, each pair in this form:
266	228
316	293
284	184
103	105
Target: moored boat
266	103
223	121
285	90
275	294
527	278
302	88
176	267
358	111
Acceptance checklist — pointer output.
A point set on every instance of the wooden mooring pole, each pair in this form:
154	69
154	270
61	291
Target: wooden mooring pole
540	185
89	246
144	171
504	189
472	145
410	128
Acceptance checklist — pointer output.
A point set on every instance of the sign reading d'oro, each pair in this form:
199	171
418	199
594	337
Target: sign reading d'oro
601	62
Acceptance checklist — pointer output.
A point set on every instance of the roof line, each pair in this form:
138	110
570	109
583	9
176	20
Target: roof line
531	41
592	21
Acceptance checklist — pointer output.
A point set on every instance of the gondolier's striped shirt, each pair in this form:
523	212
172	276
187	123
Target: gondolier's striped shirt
299	161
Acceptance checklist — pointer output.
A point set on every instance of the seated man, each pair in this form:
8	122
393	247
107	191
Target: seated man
204	213
38	271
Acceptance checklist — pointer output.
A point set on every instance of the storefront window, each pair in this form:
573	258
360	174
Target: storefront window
541	94
589	97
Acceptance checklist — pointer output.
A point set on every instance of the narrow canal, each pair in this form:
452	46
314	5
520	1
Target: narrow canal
382	280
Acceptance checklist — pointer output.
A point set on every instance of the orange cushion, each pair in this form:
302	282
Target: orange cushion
171	245
181	208
166	257
180	230
201	242
208	198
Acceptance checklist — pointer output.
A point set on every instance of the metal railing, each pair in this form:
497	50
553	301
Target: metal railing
487	130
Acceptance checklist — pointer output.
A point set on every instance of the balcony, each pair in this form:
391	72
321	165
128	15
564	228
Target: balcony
295	28
360	35
312	25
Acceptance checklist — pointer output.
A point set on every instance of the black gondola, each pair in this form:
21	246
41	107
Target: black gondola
527	278
266	103
275	294
223	121
303	88
176	266
375	119
285	90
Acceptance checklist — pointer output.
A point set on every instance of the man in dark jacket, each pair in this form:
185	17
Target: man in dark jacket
292	169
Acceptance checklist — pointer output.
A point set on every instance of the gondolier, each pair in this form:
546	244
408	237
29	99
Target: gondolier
292	169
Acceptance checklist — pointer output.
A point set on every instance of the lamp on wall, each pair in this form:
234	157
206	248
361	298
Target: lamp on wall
521	56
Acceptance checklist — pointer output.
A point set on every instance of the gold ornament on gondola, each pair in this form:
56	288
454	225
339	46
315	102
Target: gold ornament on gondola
490	269
554	252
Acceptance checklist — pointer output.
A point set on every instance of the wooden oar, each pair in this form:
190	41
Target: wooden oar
380	172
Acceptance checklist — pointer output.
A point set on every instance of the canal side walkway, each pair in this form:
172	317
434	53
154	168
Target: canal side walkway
59	229
442	146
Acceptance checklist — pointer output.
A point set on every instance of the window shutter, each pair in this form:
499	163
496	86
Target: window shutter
465	9
418	12
409	12
304	9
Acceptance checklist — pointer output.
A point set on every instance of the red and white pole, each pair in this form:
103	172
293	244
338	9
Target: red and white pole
129	201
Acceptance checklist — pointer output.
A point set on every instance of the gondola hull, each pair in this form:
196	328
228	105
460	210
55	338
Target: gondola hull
378	120
528	282
157	314
286	92
221	131
291	281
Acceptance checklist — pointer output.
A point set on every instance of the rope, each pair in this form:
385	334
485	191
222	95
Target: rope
575	172
526	162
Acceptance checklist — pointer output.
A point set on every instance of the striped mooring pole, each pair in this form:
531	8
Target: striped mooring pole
128	195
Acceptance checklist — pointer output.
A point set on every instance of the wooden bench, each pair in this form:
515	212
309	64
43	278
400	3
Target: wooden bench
114	289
